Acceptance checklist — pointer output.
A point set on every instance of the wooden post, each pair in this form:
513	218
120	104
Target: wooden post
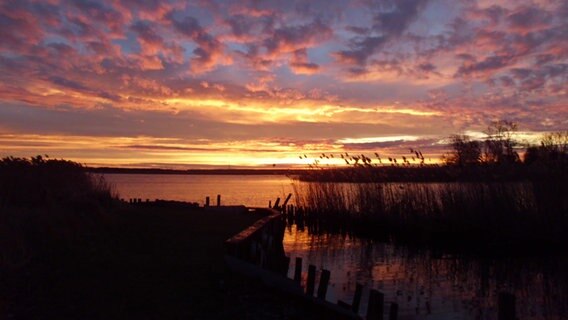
207	201
218	200
324	281
376	305
357	298
286	201
393	312
311	284
269	203
285	266
276	203
298	270
506	306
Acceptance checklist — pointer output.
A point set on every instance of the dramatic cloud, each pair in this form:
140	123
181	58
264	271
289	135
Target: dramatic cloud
300	64
389	22
197	81
209	52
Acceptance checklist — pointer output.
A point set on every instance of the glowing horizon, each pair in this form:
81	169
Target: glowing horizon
218	83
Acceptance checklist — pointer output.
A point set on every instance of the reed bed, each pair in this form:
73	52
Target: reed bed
484	214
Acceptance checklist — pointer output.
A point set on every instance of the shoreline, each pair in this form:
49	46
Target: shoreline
283	172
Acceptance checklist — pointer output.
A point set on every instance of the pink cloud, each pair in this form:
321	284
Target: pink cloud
291	38
299	63
210	51
20	28
529	18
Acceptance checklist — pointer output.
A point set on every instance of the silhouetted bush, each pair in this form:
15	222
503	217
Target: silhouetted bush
49	205
39	182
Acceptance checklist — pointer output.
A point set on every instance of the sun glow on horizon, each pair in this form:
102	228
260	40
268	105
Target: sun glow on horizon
303	111
172	153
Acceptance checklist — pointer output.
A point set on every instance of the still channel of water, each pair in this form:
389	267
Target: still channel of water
426	285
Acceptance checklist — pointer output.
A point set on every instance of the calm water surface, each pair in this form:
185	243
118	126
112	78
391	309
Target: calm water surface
433	286
249	190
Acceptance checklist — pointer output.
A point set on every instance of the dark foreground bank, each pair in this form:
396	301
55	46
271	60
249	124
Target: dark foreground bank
69	249
155	262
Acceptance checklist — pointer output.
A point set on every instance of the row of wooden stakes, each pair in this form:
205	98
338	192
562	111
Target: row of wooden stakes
206	204
375	307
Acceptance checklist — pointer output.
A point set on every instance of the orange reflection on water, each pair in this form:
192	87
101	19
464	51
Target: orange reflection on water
424	284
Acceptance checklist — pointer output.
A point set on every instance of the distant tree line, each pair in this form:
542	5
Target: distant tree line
494	158
500	147
553	149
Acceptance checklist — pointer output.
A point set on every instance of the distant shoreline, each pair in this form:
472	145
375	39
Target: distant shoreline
197	171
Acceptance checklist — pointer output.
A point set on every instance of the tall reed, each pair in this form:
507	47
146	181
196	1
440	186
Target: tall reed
495	213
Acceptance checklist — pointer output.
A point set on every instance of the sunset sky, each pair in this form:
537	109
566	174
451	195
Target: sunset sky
197	83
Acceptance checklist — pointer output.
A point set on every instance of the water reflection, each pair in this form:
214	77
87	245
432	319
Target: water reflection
430	285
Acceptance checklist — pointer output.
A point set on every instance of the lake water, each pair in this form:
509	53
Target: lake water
428	285
249	190
425	285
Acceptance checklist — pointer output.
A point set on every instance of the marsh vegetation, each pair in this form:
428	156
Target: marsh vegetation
483	196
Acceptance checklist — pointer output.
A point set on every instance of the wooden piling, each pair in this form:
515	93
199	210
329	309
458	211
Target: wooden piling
298	270
311	283
324	281
393	312
506	306
269	203
276	203
357	298
285	266
286	201
207	201
376	305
